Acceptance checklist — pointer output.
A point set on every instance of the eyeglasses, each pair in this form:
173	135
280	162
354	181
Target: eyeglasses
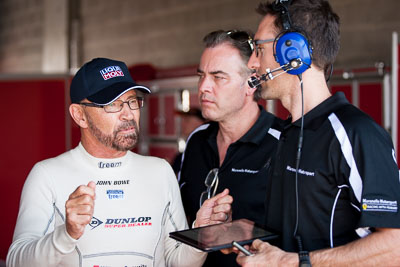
210	182
241	36
117	105
258	49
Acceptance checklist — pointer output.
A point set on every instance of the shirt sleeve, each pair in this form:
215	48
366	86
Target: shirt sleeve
35	241
176	253
378	189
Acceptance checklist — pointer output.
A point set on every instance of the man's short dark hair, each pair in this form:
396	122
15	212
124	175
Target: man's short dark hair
241	40
317	21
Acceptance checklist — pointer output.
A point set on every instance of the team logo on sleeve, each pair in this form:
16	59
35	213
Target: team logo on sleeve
381	205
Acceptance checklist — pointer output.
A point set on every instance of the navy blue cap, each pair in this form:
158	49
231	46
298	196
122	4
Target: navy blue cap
102	81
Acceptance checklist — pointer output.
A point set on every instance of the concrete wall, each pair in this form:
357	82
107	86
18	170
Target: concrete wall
162	32
21	38
168	33
366	31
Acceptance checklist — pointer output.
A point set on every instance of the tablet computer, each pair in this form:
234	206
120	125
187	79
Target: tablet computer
218	236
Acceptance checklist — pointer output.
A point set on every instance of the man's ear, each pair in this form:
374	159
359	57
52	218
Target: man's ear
78	115
249	91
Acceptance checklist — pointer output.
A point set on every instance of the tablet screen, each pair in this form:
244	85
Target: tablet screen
219	236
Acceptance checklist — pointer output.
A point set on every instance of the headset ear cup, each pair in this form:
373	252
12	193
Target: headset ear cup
290	47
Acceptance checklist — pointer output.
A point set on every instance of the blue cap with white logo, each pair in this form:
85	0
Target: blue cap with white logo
102	81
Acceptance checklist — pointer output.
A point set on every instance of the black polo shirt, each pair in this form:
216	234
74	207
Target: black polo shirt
348	179
244	172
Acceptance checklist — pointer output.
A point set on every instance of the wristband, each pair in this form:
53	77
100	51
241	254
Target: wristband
304	259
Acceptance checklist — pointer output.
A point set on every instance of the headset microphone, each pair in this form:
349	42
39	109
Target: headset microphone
255	82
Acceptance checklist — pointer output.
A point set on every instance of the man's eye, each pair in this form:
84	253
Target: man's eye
114	104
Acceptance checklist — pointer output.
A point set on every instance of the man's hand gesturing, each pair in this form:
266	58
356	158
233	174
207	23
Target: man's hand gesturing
79	209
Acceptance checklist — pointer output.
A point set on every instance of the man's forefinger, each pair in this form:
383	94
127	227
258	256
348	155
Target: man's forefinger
222	208
228	199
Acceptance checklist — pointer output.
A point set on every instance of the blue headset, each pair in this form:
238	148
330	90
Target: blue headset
291	48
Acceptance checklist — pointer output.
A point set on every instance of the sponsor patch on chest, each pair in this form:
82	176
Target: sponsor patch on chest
120	222
115	194
303	172
115	182
244	171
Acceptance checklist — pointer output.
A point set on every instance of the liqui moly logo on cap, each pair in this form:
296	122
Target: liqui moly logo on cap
111	72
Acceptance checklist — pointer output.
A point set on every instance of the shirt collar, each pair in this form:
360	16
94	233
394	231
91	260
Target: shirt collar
255	134
315	117
102	163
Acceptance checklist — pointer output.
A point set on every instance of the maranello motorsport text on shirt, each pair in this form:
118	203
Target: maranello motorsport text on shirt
379	205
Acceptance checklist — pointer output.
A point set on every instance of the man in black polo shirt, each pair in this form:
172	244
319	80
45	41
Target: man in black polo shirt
234	151
337	204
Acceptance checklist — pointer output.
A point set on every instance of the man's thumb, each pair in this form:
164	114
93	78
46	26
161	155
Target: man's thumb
92	185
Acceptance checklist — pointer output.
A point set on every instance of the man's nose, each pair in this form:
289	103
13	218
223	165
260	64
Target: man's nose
127	112
254	62
205	85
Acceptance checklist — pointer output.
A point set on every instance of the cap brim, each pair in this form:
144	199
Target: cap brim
113	92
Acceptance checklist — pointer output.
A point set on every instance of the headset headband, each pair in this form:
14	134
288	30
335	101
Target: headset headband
282	6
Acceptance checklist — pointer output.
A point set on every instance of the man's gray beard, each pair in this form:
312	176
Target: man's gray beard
116	141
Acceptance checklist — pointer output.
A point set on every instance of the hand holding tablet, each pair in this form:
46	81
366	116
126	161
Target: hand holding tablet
242	249
220	236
